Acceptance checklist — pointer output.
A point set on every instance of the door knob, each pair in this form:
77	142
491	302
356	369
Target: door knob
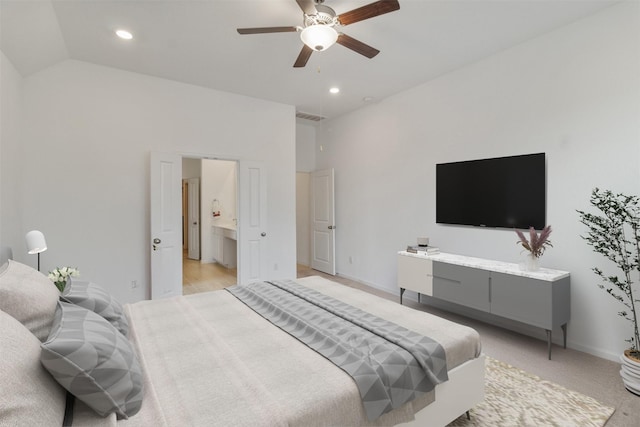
263	234
157	241
332	227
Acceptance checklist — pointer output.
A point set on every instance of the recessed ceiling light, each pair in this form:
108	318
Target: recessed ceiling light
334	90
124	34
368	99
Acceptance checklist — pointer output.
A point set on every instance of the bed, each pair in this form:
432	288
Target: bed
209	359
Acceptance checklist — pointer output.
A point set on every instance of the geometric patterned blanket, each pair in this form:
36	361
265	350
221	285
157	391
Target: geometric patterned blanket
390	364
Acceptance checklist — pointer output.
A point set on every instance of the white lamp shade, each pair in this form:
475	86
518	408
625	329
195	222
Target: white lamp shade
319	37
35	242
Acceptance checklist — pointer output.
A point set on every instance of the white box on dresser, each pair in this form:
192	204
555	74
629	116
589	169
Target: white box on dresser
539	298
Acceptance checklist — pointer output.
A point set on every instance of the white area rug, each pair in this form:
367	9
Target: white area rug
514	397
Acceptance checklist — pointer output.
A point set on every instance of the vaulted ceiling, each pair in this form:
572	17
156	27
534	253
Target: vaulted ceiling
196	42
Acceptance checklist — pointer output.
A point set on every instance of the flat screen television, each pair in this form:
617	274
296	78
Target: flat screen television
507	192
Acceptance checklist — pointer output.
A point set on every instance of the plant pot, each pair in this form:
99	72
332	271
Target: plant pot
530	263
630	372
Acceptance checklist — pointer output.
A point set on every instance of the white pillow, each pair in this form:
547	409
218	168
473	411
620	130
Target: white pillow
29	396
29	296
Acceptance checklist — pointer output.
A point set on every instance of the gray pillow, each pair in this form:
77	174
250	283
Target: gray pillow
93	361
95	298
29	296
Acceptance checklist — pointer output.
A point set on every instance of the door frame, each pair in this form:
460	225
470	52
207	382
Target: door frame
153	293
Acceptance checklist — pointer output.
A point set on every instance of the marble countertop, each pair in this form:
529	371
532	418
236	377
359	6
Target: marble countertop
227	225
492	265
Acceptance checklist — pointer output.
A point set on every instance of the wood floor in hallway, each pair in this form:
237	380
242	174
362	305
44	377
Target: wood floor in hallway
199	277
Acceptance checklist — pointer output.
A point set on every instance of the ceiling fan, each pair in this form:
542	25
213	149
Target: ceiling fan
319	32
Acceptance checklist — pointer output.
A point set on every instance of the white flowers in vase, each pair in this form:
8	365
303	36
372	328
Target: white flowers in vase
60	275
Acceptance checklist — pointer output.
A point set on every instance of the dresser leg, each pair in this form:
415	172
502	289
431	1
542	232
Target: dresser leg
401	293
418	296
564	334
549	342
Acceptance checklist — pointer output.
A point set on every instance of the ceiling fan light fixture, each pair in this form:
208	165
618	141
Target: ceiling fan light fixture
124	34
319	36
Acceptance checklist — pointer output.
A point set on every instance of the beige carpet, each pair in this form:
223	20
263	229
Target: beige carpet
515	398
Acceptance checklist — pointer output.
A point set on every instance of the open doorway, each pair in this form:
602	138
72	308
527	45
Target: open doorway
209	221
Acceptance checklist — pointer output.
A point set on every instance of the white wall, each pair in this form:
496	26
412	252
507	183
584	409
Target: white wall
305	148
11	229
219	182
305	163
83	164
573	93
191	168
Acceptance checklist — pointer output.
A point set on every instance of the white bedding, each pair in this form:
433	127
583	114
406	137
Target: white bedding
210	360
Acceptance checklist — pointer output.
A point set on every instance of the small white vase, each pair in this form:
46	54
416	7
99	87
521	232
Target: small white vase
531	263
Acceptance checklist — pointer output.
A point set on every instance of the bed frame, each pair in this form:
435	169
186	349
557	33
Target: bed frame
464	390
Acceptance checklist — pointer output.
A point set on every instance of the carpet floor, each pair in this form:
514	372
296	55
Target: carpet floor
514	397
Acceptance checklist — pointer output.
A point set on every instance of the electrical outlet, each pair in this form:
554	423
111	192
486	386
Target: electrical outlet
275	267
134	284
350	259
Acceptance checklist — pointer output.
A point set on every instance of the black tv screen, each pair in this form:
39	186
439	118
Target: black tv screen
507	192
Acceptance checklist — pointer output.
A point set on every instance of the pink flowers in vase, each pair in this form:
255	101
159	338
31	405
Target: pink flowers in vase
537	243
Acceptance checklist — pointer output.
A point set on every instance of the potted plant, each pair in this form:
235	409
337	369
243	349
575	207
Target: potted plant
615	233
536	245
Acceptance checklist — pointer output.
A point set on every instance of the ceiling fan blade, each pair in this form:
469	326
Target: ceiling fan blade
267	30
369	11
305	53
357	46
307	6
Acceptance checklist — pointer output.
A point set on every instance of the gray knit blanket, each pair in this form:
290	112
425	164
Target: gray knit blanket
391	365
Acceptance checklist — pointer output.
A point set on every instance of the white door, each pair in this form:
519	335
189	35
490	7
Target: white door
166	225
323	222
252	232
193	216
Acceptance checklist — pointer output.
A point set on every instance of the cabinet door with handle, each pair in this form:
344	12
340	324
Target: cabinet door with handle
415	274
462	285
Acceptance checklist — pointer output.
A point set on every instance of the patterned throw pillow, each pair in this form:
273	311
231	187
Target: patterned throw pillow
28	296
95	298
93	361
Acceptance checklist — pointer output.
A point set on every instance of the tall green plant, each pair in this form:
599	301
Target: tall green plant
616	235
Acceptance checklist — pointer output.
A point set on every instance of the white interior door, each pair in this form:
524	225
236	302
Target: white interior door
193	215
252	233
166	225
323	222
